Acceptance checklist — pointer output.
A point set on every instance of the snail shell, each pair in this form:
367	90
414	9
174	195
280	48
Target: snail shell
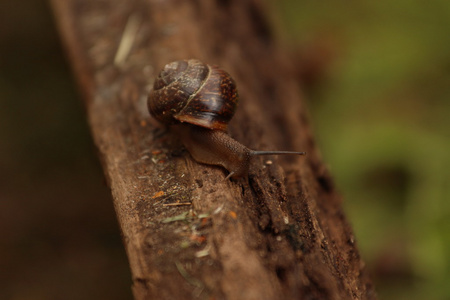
193	92
199	100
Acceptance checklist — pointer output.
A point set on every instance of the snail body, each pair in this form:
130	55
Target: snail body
198	101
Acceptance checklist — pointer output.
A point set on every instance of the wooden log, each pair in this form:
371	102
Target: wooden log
279	233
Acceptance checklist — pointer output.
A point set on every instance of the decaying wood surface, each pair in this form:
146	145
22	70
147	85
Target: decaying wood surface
189	234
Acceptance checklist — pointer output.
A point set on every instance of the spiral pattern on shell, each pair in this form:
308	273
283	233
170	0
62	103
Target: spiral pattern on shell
193	92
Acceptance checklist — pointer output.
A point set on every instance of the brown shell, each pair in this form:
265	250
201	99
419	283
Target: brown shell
193	92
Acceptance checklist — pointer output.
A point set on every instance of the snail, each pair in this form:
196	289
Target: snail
198	100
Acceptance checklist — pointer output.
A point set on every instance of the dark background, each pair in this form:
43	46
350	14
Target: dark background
377	81
59	235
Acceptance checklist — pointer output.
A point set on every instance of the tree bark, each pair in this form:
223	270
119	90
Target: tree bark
279	233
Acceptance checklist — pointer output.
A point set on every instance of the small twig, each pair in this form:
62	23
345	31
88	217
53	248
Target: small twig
128	37
177	204
193	281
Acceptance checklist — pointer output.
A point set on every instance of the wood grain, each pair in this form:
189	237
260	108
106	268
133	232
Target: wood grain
278	234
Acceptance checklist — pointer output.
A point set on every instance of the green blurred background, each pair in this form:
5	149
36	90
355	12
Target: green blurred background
377	82
380	106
